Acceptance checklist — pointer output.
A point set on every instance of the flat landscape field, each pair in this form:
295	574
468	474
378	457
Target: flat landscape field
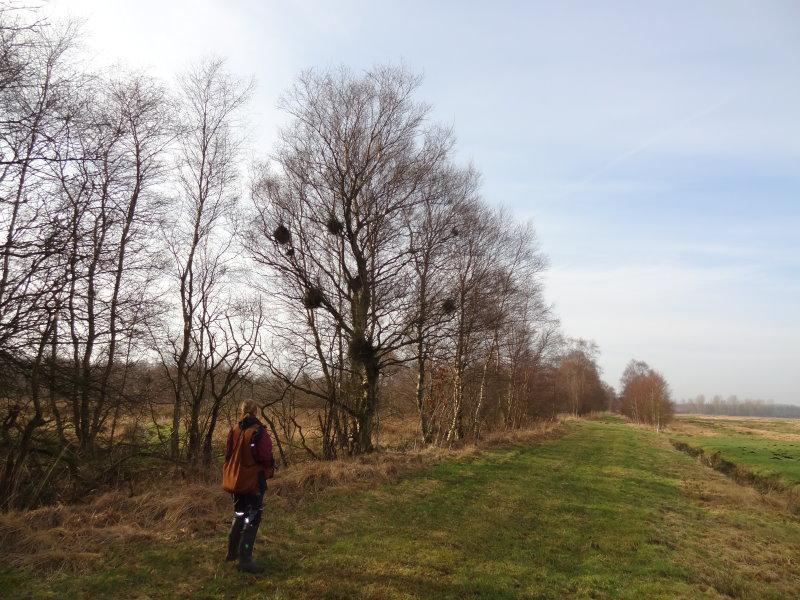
767	447
603	510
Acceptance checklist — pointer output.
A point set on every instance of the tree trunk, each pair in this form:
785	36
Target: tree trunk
15	460
476	424
424	426
367	413
456	431
209	435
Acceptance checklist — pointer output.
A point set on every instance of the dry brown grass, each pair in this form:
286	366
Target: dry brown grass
752	489
715	492
681	426
684	425
74	537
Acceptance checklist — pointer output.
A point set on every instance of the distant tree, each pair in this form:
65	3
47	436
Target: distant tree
579	379
645	396
735	407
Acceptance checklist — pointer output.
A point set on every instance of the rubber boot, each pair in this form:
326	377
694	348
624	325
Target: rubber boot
235	537
246	563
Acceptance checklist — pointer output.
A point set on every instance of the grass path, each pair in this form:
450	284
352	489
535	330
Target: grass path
605	511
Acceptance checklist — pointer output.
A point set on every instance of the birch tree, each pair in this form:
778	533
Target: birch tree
200	240
329	224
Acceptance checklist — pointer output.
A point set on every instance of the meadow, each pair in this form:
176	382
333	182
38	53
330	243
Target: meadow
765	450
595	508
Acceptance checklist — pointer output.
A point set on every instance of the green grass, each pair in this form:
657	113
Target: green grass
767	447
605	511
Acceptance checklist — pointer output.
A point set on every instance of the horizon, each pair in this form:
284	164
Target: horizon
655	149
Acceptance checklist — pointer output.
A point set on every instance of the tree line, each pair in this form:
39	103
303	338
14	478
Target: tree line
149	284
733	406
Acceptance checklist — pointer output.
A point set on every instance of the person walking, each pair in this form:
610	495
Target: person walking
248	465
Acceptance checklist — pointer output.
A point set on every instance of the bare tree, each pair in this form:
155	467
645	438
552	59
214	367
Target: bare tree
579	377
385	280
35	111
532	340
645	396
231	339
200	240
633	403
329	225
516	295
432	225
474	266
35	84
111	161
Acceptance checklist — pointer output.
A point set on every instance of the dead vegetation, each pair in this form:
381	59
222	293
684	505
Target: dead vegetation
75	537
743	425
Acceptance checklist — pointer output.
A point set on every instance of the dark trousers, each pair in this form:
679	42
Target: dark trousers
247	509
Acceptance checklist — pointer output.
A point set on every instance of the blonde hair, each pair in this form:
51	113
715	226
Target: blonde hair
249	407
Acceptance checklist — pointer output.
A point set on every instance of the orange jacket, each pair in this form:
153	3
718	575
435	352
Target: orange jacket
248	458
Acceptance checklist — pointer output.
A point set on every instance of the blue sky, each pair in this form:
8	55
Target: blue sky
656	146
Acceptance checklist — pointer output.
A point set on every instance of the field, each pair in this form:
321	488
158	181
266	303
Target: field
601	510
767	450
